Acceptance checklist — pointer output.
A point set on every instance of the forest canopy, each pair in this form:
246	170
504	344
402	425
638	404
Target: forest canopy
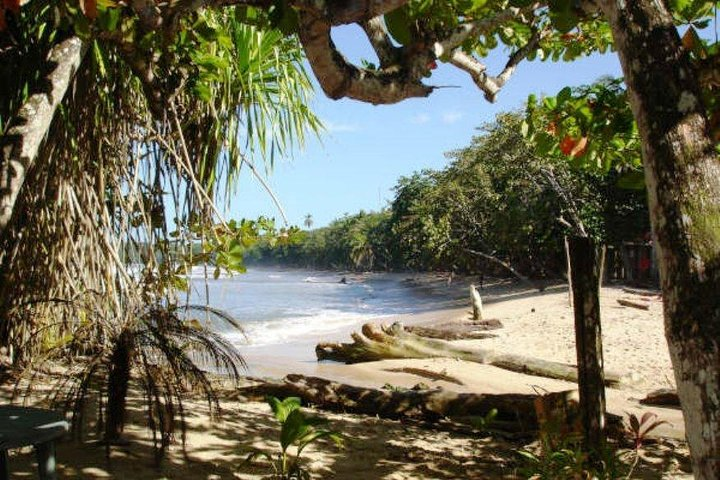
496	196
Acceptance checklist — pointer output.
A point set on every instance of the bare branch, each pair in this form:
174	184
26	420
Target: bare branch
387	53
490	85
498	82
339	78
477	27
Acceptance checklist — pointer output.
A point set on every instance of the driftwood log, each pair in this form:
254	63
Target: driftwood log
380	343
665	397
453	331
515	412
634	304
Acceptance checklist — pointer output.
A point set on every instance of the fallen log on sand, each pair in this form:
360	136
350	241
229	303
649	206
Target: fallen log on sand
642	292
515	412
665	397
634	304
381	343
454	331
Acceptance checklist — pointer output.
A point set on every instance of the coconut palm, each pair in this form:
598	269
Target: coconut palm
123	197
308	221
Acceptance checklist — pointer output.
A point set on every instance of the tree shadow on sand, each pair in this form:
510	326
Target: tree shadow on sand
217	449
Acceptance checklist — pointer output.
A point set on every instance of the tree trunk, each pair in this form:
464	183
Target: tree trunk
118	384
586	261
569	271
20	145
682	173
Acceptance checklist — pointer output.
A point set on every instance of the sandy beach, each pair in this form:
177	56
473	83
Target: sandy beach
537	324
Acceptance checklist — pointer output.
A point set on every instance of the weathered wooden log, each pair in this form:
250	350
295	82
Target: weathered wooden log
642	292
665	397
455	331
515	412
380	343
631	303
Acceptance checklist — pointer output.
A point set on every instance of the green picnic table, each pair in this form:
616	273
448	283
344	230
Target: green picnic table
25	426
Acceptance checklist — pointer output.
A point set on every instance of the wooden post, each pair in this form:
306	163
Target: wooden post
569	271
476	303
586	259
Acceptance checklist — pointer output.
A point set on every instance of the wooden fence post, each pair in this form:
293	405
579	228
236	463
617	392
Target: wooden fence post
586	259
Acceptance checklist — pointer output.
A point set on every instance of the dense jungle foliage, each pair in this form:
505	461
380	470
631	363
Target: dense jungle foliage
495	197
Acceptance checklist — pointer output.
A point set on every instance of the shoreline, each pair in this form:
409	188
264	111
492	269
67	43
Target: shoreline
535	324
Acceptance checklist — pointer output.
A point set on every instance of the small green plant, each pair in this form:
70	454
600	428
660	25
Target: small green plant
484	423
296	430
568	461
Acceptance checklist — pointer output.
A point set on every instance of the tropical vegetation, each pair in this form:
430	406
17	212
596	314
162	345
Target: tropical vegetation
498	204
123	197
107	105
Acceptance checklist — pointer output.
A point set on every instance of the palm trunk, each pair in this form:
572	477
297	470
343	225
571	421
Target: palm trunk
683	177
118	384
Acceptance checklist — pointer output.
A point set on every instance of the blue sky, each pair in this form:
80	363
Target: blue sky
367	148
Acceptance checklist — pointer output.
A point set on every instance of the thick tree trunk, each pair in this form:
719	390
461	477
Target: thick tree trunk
20	144
586	261
682	172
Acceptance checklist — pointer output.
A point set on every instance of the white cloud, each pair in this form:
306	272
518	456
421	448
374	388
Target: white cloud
451	117
420	118
333	127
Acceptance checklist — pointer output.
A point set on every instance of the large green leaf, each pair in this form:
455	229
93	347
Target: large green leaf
398	23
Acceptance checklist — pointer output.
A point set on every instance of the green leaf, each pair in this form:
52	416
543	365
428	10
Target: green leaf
398	24
562	15
293	428
563	96
282	408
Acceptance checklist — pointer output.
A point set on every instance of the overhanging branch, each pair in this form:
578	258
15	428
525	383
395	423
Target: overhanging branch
489	84
20	145
339	78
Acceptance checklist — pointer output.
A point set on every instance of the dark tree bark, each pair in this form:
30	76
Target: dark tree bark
586	260
682	173
118	384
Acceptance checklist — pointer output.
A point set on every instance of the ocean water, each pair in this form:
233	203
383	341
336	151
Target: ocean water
277	307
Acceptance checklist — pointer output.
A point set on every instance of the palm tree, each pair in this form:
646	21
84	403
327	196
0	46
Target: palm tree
122	190
308	221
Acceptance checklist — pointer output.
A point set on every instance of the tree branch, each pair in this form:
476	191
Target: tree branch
387	53
339	78
486	25
490	85
20	145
